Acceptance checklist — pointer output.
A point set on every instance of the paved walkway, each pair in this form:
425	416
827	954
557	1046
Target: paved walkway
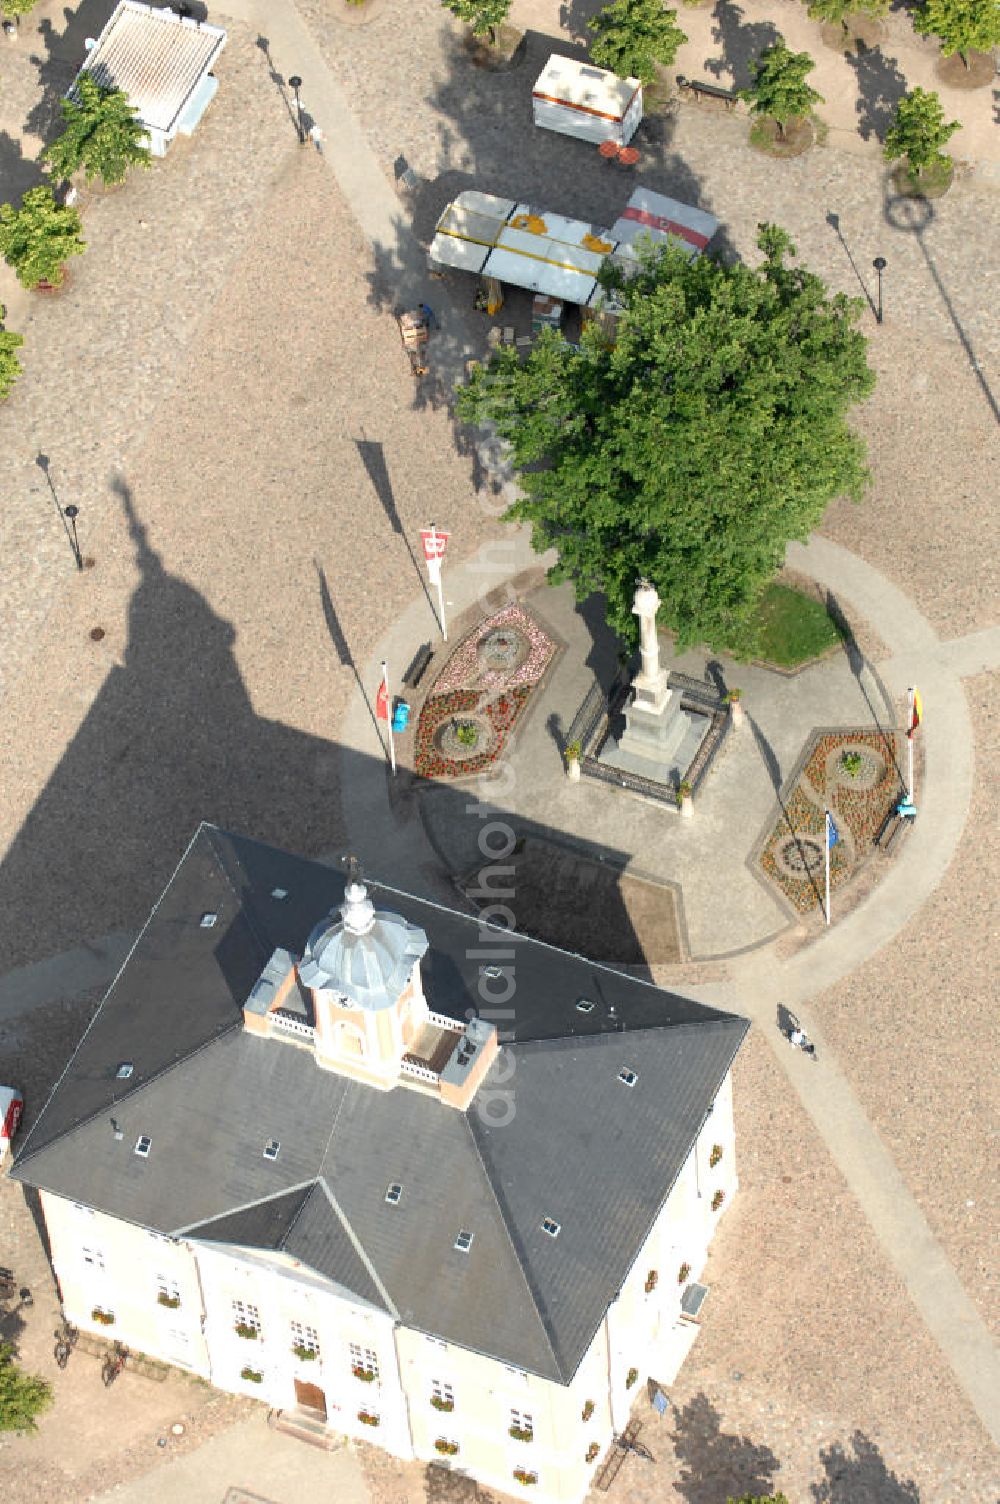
754	984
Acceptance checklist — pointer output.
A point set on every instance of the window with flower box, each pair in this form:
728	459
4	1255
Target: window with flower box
364	1363
246	1320
446	1446
94	1257
522	1426
305	1342
167	1293
442	1395
524	1477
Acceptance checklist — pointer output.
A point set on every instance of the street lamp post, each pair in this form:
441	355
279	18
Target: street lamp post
879	265
296	84
73	513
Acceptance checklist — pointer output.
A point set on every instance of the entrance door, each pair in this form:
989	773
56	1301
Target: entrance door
310	1397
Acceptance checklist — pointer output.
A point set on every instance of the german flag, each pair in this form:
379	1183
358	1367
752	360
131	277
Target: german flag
916	711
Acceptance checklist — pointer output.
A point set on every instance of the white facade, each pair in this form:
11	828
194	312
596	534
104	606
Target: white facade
181	1300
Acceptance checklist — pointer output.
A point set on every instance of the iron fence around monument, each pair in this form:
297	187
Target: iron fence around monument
592	722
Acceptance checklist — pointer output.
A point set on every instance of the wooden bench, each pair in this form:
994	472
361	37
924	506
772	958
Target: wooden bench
418	667
700	90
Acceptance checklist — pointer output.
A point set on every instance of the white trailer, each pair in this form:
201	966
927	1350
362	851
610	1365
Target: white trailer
587	102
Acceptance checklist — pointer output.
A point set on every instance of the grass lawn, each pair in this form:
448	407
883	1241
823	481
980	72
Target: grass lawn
792	627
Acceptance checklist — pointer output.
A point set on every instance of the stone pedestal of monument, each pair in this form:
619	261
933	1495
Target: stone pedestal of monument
660	739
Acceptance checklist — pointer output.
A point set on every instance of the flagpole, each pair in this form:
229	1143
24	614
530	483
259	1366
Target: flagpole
437	575
388	716
826	854
909	742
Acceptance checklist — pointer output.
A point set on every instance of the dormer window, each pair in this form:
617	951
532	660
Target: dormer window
393	1194
271	1148
143	1144
464	1241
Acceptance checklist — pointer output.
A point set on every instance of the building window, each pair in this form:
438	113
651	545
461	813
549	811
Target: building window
522	1427
246	1320
94	1257
364	1363
442	1395
305	1341
168	1293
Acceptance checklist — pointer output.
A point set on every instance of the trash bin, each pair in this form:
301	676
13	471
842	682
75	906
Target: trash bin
400	716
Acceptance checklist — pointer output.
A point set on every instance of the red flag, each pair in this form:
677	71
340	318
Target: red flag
382	702
434	542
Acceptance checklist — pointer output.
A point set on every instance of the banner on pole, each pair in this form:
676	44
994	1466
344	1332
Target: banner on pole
382	702
832	833
916	711
435	545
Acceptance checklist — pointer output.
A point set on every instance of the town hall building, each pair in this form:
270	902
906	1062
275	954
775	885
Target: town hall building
318	1147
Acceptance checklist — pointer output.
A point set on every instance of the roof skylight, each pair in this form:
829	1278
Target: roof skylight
464	1241
628	1076
143	1144
584	1005
279	893
124	1070
551	1226
393	1193
208	920
271	1148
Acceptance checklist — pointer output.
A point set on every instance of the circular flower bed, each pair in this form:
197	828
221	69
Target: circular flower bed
854	775
436	756
504	648
464	736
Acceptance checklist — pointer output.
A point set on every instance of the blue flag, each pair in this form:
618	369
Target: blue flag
832	833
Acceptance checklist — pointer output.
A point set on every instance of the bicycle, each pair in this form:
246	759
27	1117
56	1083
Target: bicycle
65	1336
113	1364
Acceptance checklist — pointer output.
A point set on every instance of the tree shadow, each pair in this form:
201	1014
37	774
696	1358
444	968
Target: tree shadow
573	18
881	86
860	1476
741	42
715	1464
18	173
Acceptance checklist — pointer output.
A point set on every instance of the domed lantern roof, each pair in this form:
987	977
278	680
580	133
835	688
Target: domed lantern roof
364	954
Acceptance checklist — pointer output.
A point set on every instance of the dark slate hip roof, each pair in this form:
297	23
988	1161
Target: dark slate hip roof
595	1155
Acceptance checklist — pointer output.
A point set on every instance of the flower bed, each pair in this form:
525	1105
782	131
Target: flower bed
792	857
502	713
464	667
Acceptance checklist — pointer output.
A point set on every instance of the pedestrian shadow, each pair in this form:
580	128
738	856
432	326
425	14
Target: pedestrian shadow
881	86
860	1476
716	1464
787	1020
741	42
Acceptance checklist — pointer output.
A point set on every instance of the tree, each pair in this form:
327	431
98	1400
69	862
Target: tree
22	1395
963	26
919	131
691	450
779	87
838	12
39	237
484	16
632	36
16	9
10	366
103	134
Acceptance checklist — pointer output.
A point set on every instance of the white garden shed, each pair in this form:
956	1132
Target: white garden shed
162	62
587	102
